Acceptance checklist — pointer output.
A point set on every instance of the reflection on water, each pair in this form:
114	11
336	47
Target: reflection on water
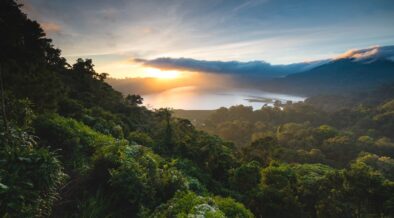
191	98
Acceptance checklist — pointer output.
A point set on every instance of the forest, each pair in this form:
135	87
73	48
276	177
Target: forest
72	146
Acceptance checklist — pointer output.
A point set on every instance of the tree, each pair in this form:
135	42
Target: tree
260	150
164	114
276	196
134	100
310	177
246	177
365	189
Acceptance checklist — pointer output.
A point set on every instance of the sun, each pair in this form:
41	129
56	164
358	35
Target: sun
161	74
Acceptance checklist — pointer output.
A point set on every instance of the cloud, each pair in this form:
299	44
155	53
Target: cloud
369	54
245	30
259	69
51	27
255	70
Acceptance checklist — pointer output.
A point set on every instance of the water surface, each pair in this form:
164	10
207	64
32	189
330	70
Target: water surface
193	98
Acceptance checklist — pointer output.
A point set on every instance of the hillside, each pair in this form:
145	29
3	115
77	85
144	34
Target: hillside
72	146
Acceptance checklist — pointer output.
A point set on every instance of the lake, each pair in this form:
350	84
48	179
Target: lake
193	98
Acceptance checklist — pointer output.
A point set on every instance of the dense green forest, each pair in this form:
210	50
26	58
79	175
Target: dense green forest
71	146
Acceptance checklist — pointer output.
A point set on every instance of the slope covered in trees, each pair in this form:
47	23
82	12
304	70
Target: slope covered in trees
71	146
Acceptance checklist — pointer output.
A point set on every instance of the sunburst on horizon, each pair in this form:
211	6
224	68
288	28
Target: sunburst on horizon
162	74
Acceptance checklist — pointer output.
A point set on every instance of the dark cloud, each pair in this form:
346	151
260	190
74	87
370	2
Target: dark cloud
252	68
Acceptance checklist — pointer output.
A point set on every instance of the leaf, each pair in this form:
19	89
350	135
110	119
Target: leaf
3	187
25	159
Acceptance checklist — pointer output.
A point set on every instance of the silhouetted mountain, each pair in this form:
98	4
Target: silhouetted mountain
338	76
354	70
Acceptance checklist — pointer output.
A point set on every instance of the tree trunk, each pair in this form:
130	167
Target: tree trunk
4	114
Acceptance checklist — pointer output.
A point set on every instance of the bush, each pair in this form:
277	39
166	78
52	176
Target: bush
140	138
76	141
29	178
189	204
231	208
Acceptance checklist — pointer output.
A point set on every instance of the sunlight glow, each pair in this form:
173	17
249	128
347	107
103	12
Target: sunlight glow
162	74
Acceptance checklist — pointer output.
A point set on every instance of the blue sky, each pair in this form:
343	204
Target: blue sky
114	33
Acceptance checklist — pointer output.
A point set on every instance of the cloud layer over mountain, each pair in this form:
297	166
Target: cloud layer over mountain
251	68
263	69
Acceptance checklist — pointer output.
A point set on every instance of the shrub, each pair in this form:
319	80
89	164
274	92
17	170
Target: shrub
29	178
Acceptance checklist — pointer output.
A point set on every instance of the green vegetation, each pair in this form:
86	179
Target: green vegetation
71	146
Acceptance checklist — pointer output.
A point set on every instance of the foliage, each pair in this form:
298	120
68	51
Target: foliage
231	208
188	204
246	177
29	177
75	141
330	156
140	138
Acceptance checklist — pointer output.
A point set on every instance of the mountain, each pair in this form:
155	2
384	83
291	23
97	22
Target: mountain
354	70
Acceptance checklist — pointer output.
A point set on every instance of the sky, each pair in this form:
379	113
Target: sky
118	34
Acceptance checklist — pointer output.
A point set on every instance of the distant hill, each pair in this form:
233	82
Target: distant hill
354	71
339	76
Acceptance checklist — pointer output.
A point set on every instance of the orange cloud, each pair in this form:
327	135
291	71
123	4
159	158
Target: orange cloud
359	53
147	30
50	27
